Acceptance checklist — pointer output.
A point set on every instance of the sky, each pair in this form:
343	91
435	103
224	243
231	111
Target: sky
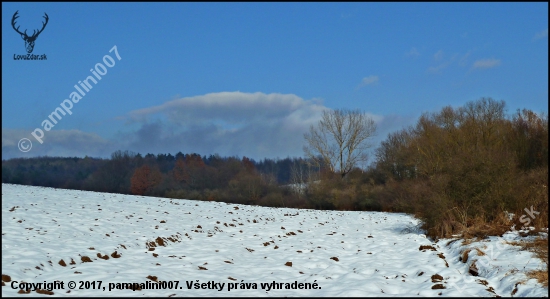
48	233
249	79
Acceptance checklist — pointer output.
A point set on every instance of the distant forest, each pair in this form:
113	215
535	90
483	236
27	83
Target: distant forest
460	170
127	172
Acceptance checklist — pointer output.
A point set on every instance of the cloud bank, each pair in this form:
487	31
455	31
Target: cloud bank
256	125
486	63
368	81
541	35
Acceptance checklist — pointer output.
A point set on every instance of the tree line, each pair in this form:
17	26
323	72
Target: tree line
458	169
192	176
461	169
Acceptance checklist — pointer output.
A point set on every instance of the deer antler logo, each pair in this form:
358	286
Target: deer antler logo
29	40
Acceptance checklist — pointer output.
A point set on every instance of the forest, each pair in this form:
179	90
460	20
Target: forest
458	169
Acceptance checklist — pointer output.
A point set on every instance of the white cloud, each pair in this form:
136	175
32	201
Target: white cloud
444	63
541	35
63	143
413	53
369	80
439	68
256	125
439	55
486	63
464	59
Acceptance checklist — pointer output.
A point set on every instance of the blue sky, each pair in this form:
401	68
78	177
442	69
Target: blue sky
248	79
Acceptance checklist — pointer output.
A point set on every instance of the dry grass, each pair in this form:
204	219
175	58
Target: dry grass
479	252
480	228
465	255
468	241
539	247
540	275
426	247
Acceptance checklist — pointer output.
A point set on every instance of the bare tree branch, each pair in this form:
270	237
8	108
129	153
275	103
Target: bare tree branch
339	140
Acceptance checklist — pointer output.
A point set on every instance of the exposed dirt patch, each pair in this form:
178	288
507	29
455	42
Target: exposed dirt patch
160	241
105	257
490	289
515	290
45	292
202	268
427	247
473	269
451	242
334	258
437	278
6	278
288	264
62	263
153	278
464	257
483	282
438	286
85	259
115	255
443	257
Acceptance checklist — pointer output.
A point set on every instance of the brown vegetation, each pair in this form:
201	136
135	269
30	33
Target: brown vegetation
461	170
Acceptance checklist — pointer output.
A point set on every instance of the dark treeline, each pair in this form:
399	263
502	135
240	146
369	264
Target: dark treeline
459	170
192	176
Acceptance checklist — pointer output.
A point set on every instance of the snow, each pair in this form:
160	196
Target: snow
228	249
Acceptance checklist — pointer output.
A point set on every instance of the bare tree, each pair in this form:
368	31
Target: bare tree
298	177
340	139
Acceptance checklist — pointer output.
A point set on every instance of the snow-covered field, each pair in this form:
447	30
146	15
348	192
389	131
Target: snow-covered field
98	241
